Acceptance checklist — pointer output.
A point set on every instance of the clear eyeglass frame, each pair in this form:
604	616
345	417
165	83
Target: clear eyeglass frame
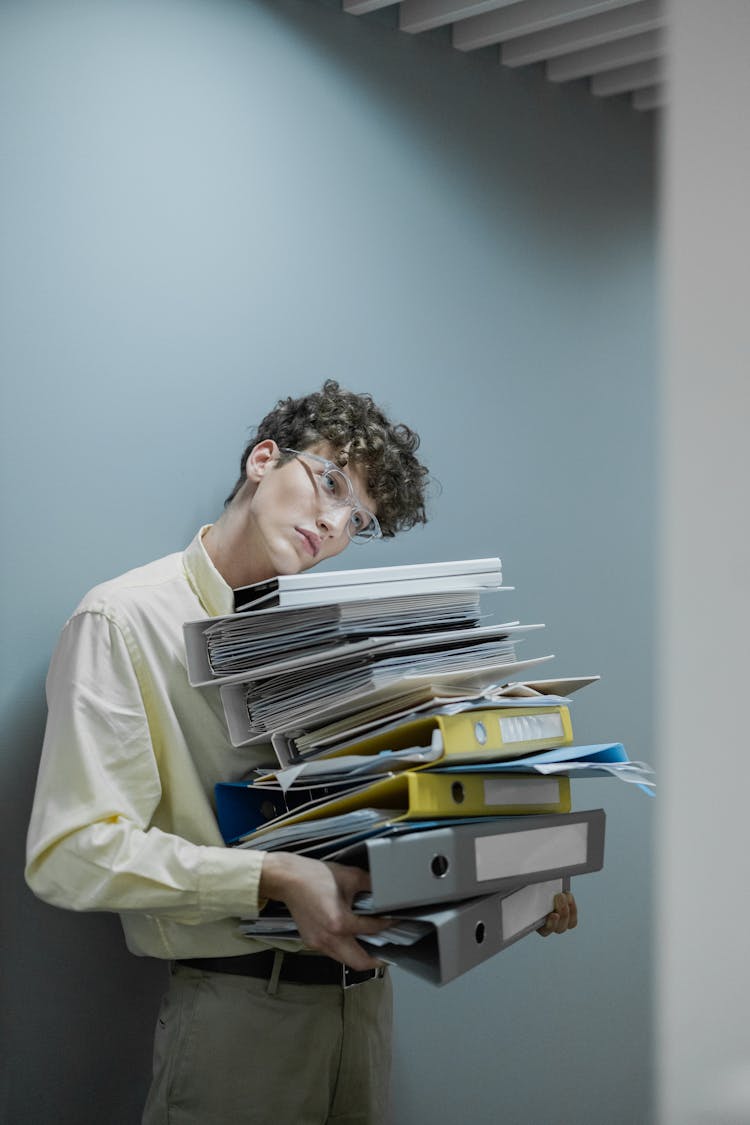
335	489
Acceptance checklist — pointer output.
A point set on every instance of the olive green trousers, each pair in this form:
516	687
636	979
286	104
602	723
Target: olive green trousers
235	1050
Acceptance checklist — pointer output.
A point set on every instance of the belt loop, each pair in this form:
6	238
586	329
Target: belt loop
350	978
273	980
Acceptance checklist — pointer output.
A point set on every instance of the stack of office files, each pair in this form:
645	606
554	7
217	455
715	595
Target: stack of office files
405	747
315	651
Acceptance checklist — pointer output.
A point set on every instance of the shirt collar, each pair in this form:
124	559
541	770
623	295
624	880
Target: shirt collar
214	593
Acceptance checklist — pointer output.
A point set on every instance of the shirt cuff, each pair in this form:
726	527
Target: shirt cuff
229	881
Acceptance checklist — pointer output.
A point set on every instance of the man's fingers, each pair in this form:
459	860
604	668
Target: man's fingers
366	924
573	912
351	953
563	917
550	925
354	954
350	881
562	909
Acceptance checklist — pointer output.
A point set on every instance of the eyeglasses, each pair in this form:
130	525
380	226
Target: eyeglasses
335	490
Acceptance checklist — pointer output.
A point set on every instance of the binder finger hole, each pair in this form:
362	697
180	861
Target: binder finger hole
268	810
457	792
439	866
479	932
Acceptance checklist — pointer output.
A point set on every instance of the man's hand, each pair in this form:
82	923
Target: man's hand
319	897
563	917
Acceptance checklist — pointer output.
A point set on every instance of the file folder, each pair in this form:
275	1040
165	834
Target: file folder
244	810
463	935
243	730
378	581
467	860
221	647
603	759
268	663
340	733
292	701
440	943
476	735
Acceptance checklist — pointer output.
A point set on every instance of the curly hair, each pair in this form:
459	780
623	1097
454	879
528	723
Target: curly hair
384	451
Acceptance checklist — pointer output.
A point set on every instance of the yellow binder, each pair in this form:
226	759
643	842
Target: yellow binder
482	735
426	795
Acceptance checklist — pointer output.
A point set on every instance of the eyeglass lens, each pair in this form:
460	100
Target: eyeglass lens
335	487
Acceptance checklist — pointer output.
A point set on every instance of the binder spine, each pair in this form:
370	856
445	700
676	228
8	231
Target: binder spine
471	932
433	794
452	863
475	735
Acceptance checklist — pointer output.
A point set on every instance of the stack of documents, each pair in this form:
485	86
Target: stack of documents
406	747
329	649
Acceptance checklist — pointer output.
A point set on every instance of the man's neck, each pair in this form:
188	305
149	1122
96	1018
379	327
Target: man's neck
228	545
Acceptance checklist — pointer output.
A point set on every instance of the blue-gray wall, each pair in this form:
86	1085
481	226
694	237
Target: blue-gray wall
209	203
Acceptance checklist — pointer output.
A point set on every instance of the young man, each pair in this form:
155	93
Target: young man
123	817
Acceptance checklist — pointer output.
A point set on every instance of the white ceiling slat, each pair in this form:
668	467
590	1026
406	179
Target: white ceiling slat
618	44
424	15
646	15
527	18
652	97
625	79
621	52
362	7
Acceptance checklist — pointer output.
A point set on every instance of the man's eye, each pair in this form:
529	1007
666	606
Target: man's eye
359	520
335	485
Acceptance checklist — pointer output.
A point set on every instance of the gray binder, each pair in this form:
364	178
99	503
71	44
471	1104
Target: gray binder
447	864
467	933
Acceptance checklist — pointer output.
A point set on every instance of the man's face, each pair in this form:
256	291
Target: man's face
292	526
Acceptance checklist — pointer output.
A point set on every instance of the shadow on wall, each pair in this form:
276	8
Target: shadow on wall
402	83
82	1007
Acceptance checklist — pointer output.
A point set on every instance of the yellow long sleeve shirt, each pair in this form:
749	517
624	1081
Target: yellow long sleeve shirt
123	816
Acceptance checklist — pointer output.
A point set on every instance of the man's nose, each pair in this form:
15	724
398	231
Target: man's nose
334	519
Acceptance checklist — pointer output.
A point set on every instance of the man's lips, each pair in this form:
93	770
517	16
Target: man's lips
312	540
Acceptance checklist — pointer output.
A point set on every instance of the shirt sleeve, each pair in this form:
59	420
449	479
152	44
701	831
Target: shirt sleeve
91	843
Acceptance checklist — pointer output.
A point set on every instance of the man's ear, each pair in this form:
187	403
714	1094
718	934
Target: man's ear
260	459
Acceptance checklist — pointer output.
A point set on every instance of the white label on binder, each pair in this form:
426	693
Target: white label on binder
507	854
521	791
526	728
528	905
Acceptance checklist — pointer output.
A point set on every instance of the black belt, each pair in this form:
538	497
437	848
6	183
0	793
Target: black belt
299	968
